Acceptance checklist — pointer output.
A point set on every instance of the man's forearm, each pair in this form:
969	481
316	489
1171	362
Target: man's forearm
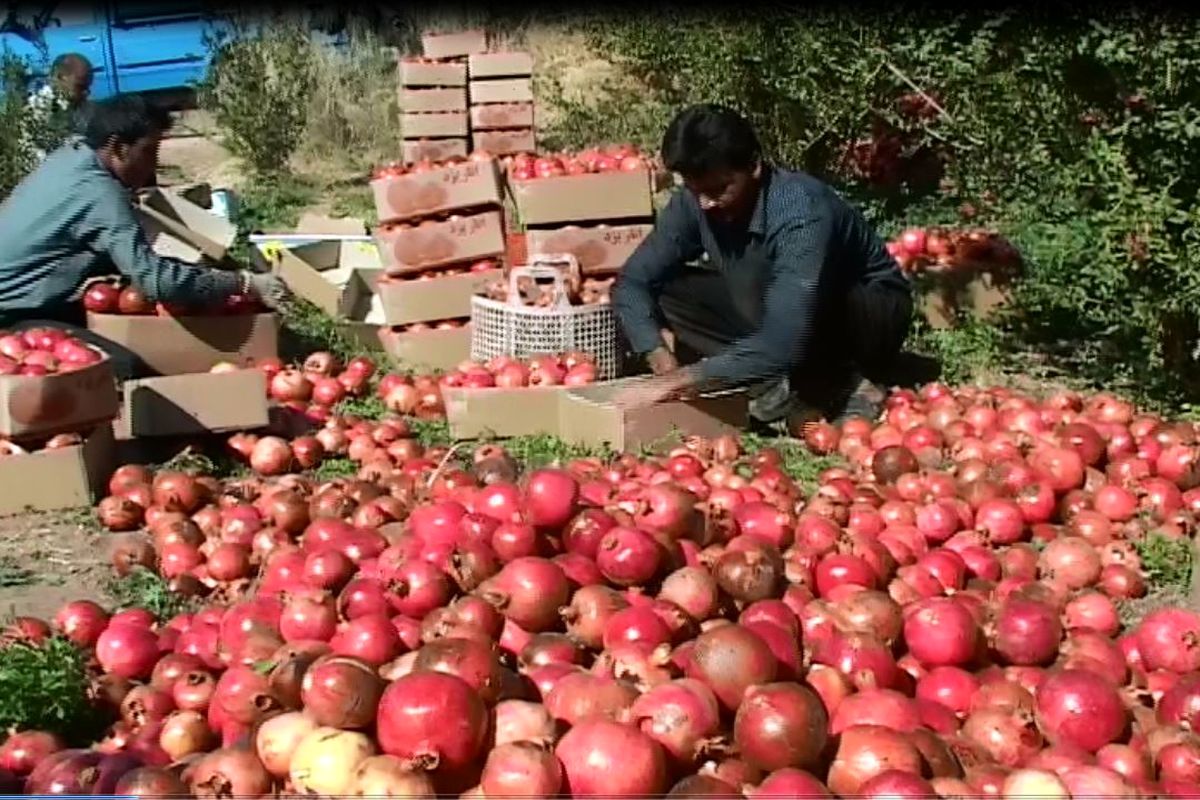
635	304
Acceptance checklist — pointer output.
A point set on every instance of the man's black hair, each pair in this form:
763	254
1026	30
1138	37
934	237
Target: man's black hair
125	119
709	137
70	62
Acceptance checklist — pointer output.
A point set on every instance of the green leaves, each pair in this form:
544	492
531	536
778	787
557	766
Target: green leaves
45	688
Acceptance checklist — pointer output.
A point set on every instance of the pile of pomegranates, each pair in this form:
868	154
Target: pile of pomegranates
396	169
567	369
941	250
579	291
940	617
614	158
103	297
35	352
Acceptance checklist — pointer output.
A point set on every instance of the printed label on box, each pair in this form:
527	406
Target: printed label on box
433	149
467	185
406	249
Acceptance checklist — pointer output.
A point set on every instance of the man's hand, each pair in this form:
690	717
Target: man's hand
661	361
267	288
660	388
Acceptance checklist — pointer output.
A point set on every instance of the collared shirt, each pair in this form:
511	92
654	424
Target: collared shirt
70	220
812	244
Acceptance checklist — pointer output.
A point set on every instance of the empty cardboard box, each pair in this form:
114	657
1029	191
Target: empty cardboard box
187	405
178	228
180	345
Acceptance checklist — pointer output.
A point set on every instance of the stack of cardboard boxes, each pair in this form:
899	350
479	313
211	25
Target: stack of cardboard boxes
600	218
433	96
502	108
440	239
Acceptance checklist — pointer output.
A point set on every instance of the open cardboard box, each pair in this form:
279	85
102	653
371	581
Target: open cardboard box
181	345
50	480
471	184
421	300
186	405
415	150
598	248
428	350
405	250
67	401
453	45
585	415
178	228
583	198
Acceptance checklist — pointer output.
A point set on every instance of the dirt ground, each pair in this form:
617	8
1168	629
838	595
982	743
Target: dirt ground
48	559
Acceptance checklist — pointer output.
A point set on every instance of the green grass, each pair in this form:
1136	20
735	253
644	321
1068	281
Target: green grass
307	329
1166	562
13	574
332	468
217	464
368	407
144	589
797	461
45	688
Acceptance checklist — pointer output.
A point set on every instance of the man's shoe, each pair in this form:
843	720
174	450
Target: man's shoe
770	401
863	398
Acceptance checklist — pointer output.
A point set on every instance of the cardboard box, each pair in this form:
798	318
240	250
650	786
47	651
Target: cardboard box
186	405
50	480
408	249
499	65
428	350
60	403
424	73
453	45
599	248
422	100
179	345
471	184
585	415
439	123
503	143
502	115
178	228
336	277
421	300
432	149
502	90
583	198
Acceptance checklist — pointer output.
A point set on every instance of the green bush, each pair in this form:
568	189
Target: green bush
258	89
1071	134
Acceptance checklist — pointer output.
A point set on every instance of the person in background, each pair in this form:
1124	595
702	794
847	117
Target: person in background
72	220
799	301
53	111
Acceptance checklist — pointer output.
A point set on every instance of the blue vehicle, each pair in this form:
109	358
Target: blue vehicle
134	45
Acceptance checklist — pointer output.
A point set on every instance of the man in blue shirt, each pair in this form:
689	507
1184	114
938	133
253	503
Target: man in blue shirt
799	300
72	220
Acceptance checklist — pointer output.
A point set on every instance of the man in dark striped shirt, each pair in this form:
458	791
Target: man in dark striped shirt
795	298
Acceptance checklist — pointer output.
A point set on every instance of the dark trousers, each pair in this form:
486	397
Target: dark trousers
861	330
126	364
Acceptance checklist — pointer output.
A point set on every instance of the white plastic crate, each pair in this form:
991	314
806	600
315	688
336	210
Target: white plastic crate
511	328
